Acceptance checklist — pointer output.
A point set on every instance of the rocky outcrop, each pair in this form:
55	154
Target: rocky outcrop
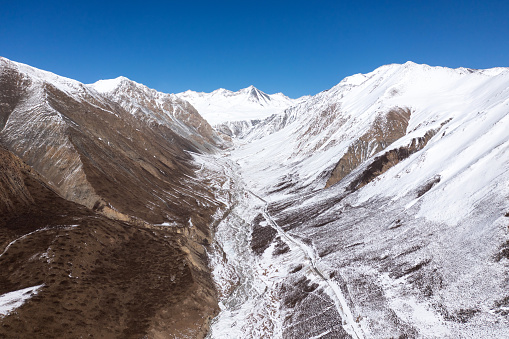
386	129
14	195
13	86
384	162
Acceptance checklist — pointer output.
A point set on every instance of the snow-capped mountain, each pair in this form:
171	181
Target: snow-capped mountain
161	108
376	209
365	113
249	103
60	127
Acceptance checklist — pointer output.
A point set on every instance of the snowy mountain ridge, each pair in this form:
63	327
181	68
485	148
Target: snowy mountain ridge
216	107
248	103
65	84
162	108
254	129
319	130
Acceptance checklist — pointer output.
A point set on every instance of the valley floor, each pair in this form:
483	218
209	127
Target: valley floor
252	274
282	274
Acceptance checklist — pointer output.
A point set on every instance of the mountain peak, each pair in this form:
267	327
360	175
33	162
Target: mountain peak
109	85
249	89
247	103
221	91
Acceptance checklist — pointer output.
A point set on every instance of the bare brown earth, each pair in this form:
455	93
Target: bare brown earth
385	161
102	278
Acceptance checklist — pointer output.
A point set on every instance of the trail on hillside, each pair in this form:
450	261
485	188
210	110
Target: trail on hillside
350	325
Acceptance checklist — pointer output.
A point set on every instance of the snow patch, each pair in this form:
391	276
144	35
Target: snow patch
12	300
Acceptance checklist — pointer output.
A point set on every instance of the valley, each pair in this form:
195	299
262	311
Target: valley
375	209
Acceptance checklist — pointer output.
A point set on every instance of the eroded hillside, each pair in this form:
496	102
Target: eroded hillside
94	276
113	230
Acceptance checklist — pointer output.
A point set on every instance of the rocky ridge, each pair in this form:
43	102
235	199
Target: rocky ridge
116	202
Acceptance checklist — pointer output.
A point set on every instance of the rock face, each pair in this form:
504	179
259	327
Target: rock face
384	131
14	194
155	108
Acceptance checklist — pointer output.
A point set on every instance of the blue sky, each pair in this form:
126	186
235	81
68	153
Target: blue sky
295	47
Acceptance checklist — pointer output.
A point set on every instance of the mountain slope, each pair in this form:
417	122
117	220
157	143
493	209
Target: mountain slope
121	209
93	276
95	152
386	195
159	108
357	116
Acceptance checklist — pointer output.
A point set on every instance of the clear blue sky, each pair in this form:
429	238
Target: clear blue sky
294	47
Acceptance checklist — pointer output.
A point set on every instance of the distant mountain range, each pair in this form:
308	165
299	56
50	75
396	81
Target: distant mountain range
246	104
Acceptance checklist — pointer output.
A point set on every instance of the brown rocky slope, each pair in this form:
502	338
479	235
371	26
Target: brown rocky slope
89	226
102	278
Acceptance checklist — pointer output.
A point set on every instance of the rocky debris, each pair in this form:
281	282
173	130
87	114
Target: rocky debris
14	194
13	86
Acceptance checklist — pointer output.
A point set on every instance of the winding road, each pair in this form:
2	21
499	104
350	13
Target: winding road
349	324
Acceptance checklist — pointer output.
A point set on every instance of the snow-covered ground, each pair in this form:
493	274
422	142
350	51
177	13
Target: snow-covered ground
253	285
419	251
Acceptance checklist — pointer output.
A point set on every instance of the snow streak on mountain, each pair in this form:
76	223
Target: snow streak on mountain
376	209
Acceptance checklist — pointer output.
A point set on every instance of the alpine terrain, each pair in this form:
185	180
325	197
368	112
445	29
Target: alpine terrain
376	209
